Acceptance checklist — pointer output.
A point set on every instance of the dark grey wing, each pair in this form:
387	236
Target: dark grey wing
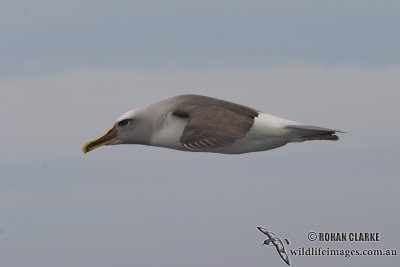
214	123
273	236
264	231
284	257
281	249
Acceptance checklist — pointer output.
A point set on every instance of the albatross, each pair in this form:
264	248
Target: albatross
273	240
198	123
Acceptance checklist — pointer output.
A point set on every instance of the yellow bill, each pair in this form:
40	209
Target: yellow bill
107	138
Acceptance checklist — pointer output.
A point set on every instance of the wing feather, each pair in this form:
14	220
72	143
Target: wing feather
213	123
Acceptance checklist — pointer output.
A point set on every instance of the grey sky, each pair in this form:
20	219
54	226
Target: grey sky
43	36
69	69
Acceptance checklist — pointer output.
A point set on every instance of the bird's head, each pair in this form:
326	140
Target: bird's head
126	130
267	242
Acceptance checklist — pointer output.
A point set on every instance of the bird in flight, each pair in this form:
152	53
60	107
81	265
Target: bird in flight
203	124
273	240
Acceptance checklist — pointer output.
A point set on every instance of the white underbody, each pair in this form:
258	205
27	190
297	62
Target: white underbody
268	132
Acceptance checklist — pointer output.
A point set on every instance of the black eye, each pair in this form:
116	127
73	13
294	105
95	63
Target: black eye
125	122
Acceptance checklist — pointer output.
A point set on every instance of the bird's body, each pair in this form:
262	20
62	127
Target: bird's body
203	124
273	240
268	132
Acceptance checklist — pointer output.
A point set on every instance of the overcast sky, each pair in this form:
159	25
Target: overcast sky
42	36
69	69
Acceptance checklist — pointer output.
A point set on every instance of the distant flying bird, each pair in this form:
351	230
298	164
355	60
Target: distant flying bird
203	124
273	240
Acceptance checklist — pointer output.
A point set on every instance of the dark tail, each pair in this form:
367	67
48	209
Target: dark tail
306	132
